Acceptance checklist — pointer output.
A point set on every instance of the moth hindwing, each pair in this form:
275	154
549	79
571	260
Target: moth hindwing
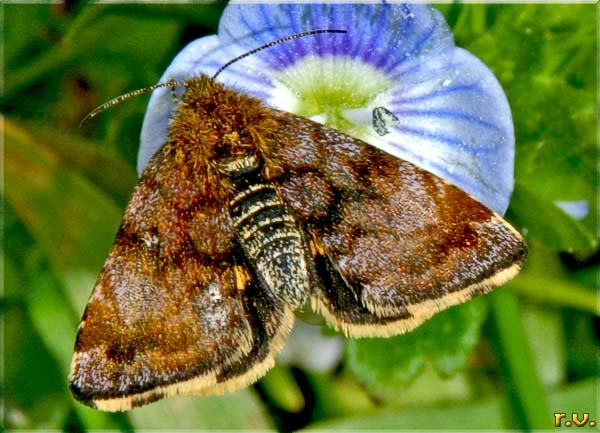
243	215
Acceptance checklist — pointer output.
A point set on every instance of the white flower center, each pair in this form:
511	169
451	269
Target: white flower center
340	92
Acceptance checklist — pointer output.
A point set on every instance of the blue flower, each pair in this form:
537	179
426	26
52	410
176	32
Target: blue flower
438	106
577	209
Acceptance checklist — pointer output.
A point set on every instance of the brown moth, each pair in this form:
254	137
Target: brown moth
244	215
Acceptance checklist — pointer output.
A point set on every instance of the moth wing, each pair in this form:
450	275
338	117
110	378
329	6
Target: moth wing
175	309
392	243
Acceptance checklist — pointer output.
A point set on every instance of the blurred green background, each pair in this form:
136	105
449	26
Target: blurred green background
507	360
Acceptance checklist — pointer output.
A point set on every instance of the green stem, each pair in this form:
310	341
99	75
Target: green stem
282	389
478	19
529	395
556	291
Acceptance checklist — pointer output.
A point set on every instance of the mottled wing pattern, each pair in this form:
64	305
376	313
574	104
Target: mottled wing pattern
392	243
175	309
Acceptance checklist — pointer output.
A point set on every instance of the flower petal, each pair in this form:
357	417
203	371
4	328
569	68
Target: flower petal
381	35
160	107
455	121
577	209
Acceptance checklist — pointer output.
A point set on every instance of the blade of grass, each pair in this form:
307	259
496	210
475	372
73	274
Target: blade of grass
529	396
556	291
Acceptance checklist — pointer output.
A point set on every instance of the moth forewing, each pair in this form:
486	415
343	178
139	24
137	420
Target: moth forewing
185	303
392	244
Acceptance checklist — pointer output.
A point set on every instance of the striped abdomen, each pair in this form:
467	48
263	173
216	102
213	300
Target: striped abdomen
267	233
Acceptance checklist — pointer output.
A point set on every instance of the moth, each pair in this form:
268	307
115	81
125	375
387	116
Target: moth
246	214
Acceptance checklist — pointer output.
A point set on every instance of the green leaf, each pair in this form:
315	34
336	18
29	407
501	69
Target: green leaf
34	396
381	362
96	37
51	312
68	216
453	336
557	230
446	340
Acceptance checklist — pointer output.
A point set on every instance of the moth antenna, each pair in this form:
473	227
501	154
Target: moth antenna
99	109
148	89
275	42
